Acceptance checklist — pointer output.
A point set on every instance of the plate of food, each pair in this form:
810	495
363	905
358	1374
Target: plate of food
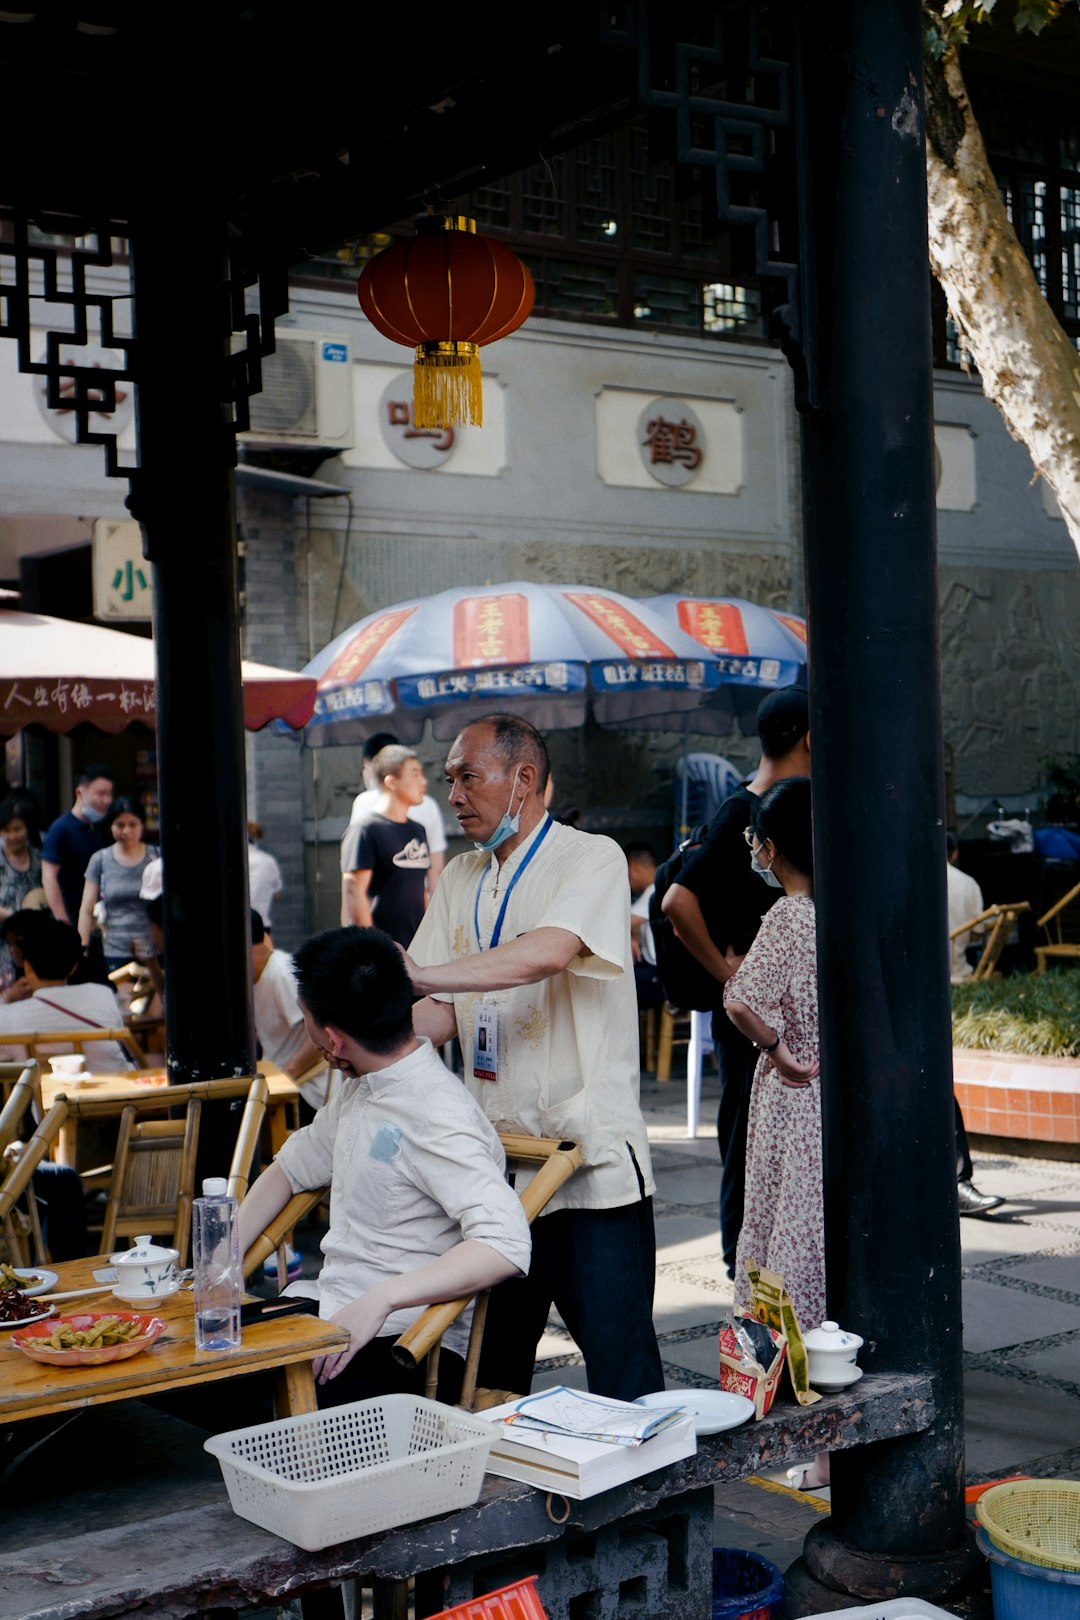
16	1311
28	1279
712	1410
88	1338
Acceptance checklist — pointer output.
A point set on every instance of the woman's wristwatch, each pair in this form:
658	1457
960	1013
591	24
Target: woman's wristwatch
767	1049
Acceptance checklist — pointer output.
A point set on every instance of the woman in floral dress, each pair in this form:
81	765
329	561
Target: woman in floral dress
772	999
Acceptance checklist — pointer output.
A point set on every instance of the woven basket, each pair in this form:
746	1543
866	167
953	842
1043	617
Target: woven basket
1034	1519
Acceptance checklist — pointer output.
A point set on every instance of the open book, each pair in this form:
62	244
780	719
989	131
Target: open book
591	1417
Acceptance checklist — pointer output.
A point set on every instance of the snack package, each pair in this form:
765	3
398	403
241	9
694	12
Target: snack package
771	1304
751	1360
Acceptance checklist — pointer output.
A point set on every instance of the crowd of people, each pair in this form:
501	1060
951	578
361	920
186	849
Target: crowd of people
526	961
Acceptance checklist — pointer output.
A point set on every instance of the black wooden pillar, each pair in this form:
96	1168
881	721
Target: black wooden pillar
893	1258
184	497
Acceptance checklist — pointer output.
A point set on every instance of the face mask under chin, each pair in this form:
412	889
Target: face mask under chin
507	827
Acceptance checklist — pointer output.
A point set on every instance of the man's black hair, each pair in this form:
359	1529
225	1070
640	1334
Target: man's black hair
375	745
52	950
783	814
644	852
952	843
355	980
783	719
95	772
258	928
517	742
155	910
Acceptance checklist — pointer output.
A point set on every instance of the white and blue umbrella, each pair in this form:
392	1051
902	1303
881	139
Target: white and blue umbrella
757	649
554	653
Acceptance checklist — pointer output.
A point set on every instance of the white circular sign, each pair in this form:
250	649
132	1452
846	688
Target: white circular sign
671	441
63	420
422	448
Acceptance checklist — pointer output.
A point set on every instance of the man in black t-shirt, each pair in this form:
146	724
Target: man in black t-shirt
384	857
716	908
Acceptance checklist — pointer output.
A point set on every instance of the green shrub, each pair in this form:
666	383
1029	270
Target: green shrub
1037	1014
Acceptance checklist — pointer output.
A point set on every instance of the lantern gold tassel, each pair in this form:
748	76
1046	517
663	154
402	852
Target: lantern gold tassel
447	387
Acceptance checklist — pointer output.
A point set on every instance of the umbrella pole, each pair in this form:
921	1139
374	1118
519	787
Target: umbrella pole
684	797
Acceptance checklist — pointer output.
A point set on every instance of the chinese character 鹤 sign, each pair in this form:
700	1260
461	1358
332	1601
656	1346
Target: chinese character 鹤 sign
671	441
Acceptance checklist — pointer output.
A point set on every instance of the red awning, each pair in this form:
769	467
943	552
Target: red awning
59	674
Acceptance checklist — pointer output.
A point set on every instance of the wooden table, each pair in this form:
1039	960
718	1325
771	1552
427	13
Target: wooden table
285	1347
284	1095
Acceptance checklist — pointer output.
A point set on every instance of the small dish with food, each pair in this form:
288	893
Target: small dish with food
89	1338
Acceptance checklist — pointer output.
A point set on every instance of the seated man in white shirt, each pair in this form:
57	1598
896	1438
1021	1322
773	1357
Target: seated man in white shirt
279	1022
51	952
420	1209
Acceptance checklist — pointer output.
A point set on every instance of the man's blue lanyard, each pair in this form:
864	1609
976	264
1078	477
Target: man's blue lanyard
497	930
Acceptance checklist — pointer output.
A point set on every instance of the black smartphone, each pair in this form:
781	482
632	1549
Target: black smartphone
266	1310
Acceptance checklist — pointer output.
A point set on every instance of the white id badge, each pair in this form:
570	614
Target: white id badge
486	1043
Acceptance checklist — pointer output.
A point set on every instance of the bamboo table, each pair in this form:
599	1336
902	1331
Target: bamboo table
286	1347
118	1088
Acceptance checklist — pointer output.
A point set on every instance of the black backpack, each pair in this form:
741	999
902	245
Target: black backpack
686	983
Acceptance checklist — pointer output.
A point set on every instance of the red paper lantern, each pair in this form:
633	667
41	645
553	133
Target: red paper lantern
445	293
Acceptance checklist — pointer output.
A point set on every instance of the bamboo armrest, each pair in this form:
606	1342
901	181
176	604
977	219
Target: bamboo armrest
1059	905
34	1152
560	1160
299	1205
1014	909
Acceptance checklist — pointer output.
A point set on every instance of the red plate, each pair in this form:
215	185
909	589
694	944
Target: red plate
30	1339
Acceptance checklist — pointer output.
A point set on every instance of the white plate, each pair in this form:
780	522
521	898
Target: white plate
46	1310
713	1410
46	1281
832	1388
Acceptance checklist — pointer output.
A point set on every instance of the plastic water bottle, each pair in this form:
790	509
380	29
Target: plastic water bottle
215	1256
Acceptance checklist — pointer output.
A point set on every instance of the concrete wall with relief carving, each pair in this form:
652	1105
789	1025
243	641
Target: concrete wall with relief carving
1010	608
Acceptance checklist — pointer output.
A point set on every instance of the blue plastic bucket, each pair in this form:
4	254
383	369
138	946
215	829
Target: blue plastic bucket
745	1586
1023	1591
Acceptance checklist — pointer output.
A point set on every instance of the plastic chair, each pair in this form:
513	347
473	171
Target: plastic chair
702	783
699	1044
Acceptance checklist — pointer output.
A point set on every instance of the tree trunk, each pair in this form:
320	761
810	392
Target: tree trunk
1027	363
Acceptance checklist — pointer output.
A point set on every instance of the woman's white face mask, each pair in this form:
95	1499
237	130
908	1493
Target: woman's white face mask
764	872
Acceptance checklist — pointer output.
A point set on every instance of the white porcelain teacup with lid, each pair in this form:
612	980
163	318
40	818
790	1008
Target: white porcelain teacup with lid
831	1352
147	1271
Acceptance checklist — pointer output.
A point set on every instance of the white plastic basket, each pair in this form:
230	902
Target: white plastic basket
892	1609
325	1477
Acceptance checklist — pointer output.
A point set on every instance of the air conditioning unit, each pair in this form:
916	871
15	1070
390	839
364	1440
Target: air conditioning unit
307	395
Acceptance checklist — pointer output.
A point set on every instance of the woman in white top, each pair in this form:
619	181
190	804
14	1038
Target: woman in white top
114	877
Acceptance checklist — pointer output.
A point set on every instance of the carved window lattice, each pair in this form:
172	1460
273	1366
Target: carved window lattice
66	299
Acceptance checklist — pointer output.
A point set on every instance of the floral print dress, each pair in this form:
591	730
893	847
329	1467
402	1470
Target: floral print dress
783	1222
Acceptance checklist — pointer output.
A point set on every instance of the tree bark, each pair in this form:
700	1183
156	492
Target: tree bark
1026	361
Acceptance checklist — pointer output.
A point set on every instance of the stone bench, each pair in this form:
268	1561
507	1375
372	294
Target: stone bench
163	1541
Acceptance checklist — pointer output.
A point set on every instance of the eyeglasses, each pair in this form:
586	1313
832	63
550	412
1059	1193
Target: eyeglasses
750	835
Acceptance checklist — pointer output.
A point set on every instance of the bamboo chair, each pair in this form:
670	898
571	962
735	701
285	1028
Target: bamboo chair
996	922
152	1182
23	1237
42	1043
1053	922
557	1162
20	1096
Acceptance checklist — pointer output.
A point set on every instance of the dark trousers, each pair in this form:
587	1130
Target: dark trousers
373	1371
598	1267
62	1207
963	1153
737	1059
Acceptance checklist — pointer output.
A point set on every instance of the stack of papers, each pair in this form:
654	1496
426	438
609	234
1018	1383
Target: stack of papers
591	1417
617	1441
